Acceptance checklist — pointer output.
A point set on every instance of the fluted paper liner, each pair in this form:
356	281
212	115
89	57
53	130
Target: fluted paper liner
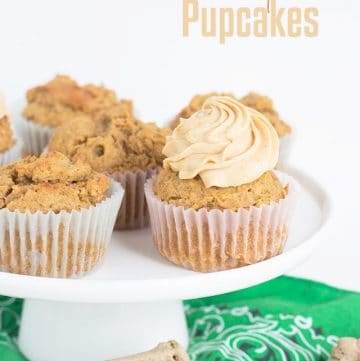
36	137
65	244
13	154
134	212
216	240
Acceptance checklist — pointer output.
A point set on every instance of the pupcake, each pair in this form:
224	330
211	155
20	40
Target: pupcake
218	203
115	143
10	146
56	216
50	105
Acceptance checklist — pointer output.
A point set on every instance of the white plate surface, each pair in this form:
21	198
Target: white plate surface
134	272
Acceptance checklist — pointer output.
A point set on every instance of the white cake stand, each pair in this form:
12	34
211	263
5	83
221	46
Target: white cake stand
133	301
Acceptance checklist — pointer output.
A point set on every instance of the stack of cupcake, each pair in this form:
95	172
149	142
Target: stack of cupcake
209	186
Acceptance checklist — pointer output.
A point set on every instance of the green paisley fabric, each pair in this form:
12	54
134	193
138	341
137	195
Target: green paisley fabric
284	319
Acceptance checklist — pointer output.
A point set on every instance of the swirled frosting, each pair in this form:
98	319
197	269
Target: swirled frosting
225	143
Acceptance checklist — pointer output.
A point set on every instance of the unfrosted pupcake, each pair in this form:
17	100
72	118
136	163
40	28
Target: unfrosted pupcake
10	147
218	203
113	142
56	216
259	102
52	104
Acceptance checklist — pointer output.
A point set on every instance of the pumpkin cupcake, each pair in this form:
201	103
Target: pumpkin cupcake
115	143
10	146
56	216
50	105
218	203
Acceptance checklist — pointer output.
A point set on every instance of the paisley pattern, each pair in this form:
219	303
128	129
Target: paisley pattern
10	310
236	334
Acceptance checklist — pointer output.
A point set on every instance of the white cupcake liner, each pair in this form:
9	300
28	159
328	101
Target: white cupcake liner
215	240
36	137
133	213
13	154
65	244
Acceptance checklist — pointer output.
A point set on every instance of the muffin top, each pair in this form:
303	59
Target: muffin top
50	183
261	103
111	140
192	193
6	134
62	99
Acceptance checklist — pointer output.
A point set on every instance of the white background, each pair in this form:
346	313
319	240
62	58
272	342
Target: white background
136	47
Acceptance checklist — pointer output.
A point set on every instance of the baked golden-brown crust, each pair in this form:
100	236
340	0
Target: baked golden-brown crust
111	140
50	183
62	99
191	193
6	134
261	103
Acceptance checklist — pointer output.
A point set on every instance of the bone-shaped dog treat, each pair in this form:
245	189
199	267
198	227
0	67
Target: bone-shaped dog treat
348	349
167	351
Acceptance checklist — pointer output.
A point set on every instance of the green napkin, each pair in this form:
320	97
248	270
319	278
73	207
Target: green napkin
283	319
10	311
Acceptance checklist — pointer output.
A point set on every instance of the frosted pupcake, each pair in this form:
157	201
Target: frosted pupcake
10	146
218	203
56	216
113	142
52	104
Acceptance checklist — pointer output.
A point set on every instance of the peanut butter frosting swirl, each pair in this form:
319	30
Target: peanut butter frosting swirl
225	143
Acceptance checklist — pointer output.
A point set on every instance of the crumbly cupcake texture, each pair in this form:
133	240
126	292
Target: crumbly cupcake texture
50	183
111	141
192	193
261	103
62	99
6	134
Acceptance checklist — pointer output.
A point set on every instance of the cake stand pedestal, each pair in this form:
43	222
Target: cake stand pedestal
77	331
133	301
